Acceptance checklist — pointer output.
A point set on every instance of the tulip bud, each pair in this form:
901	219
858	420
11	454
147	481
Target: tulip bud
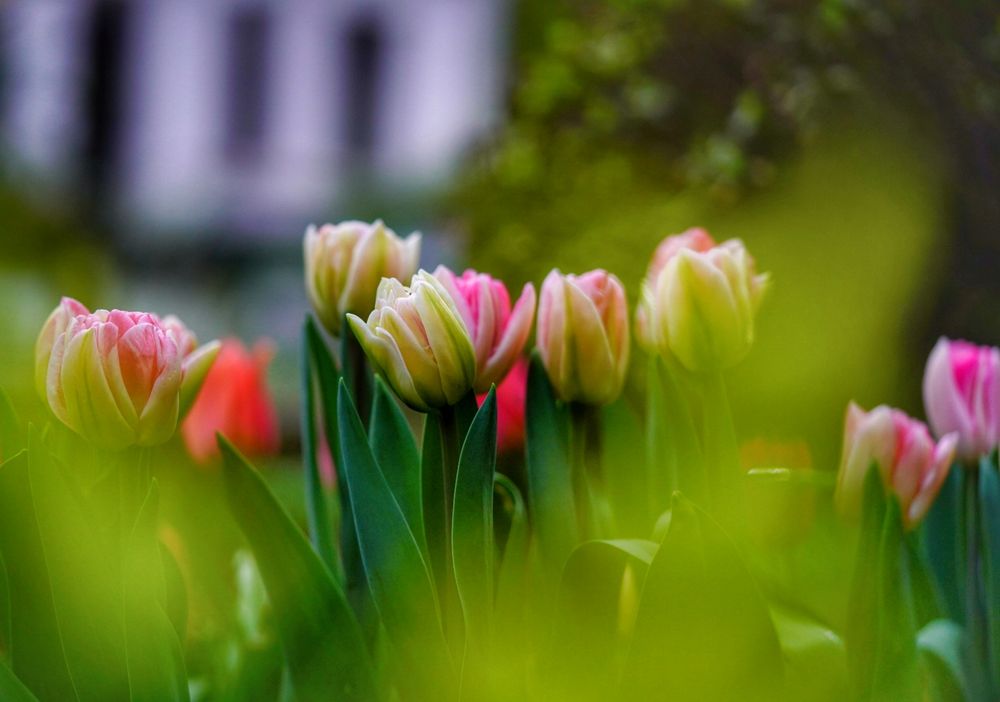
498	333
701	303
234	401
962	395
583	335
695	239
911	465
416	338
116	378
345	262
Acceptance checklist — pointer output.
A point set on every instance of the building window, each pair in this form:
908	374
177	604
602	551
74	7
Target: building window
363	67
247	83
103	96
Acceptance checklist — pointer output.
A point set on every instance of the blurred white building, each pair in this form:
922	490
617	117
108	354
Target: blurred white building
252	116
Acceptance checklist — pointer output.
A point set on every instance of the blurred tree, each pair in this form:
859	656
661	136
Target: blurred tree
844	139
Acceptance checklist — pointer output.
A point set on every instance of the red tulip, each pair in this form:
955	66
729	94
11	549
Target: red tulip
235	402
511	395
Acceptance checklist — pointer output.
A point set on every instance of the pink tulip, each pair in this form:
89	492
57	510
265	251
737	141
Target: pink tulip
911	465
498	333
695	239
118	378
512	393
962	395
235	402
583	335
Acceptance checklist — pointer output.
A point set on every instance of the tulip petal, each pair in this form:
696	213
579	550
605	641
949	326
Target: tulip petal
590	358
945	407
509	348
90	406
195	368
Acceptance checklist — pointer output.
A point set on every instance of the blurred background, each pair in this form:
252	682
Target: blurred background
168	155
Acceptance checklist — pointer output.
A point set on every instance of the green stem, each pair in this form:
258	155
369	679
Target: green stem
585	467
317	511
450	452
974	613
354	366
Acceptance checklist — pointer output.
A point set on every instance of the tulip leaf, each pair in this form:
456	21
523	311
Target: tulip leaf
155	659
323	644
12	689
941	644
400	585
598	594
674	454
721	454
627	490
432	498
85	592
11	440
550	488
989	509
860	632
512	575
511	649
896	674
36	643
703	630
815	657
396	453
944	540
472	533
316	356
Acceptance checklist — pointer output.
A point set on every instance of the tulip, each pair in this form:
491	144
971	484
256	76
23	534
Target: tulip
583	335
962	395
699	302
695	239
416	339
910	464
498	333
234	401
117	378
345	262
512	393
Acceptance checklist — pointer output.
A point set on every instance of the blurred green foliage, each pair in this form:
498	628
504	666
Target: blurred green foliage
801	128
45	253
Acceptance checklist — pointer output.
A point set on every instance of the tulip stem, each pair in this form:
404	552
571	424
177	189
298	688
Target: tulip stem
450	450
585	459
974	614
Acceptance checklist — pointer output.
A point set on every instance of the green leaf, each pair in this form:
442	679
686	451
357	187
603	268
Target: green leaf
512	576
315	355
945	543
395	451
550	488
622	445
703	630
36	643
12	689
989	496
11	438
155	659
941	644
433	499
598	595
860	631
512	648
472	535
323	644
815	657
896	674
721	454
86	593
398	579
